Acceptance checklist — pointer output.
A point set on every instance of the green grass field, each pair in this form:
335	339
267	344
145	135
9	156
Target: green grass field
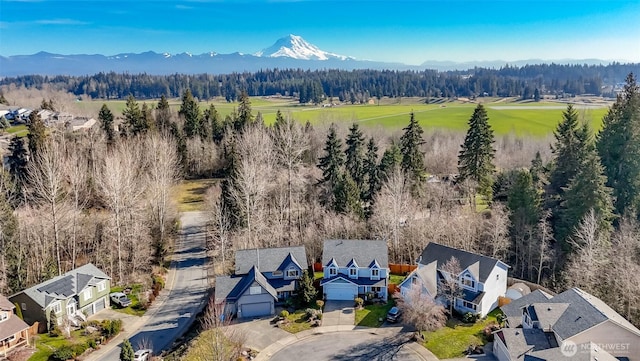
506	116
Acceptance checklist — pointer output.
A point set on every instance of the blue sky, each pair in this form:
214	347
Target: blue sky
403	31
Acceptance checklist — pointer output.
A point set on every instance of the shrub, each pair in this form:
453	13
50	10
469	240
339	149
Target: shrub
79	349
312	313
284	314
320	303
62	354
111	328
91	343
359	302
469	318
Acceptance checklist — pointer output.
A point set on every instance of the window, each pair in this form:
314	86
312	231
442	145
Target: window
102	286
333	271
56	308
376	289
292	272
88	293
255	290
353	272
414	280
468	281
4	316
375	273
9	339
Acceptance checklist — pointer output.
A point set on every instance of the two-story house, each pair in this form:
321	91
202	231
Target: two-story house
74	295
263	277
571	325
354	268
13	331
482	280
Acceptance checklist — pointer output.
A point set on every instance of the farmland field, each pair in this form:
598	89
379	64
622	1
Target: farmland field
505	115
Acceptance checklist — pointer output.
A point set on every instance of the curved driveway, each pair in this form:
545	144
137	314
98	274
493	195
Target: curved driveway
349	345
187	293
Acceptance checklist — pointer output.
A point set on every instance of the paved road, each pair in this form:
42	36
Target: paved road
349	345
185	299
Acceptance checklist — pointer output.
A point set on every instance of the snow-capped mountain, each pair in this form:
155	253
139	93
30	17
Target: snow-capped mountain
295	47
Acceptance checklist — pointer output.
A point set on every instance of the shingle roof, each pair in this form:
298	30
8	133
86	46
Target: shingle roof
442	254
585	311
361	281
232	288
268	259
5	304
520	341
363	251
547	313
66	285
12	326
513	310
587	351
427	274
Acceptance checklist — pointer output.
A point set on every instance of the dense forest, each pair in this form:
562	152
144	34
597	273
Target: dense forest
348	86
561	216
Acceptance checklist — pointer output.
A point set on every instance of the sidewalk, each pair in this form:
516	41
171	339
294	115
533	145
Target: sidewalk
131	329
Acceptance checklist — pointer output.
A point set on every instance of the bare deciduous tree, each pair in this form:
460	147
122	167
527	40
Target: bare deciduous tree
450	287
420	310
217	341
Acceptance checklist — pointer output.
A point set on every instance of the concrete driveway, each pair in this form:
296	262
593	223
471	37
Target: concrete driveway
260	333
338	313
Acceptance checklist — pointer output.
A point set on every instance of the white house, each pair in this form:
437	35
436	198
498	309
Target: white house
482	279
355	268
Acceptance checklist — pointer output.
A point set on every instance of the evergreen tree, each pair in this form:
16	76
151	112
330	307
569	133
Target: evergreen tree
586	191
147	121
163	114
106	123
524	203
132	117
619	148
3	100
126	352
244	117
17	161
412	156
371	171
190	112
37	134
538	172
569	151
391	159
333	160
307	293
217	128
347	196
355	155
475	160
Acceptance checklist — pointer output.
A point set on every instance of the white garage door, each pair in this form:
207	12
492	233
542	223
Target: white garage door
255	309
341	291
100	305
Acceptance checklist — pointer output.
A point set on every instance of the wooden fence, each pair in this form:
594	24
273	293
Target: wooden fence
401	269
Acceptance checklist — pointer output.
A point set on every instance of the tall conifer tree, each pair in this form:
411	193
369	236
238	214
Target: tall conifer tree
106	123
356	155
412	156
475	160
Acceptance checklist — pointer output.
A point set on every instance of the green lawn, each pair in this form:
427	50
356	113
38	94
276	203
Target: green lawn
46	345
396	279
136	308
297	322
18	130
505	117
453	340
189	194
371	315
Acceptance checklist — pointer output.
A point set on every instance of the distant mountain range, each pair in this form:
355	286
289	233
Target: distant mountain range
289	52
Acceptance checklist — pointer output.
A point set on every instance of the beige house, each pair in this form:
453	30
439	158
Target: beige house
572	325
13	331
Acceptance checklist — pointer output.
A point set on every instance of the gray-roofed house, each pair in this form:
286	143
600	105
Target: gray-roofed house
514	309
355	268
74	295
13	331
262	278
483	279
572	320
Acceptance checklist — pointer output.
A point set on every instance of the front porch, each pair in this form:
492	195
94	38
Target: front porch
13	342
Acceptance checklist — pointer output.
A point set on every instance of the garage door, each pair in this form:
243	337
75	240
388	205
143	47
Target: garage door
341	291
255	309
99	305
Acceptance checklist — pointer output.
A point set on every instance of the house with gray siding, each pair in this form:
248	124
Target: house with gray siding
263	277
355	268
72	296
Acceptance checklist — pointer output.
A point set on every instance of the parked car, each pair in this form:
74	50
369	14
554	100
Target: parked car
142	355
394	314
120	299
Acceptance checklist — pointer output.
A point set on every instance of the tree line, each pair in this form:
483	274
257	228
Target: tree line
346	86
